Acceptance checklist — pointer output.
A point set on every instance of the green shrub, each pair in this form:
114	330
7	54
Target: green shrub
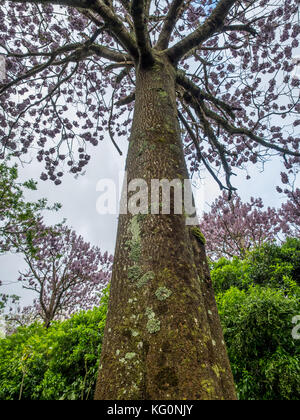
265	358
273	265
60	362
230	273
257	300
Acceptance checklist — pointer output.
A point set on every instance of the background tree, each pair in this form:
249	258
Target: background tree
225	70
17	216
58	363
65	272
290	210
6	299
232	228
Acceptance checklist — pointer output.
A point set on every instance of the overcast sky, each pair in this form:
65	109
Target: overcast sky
78	198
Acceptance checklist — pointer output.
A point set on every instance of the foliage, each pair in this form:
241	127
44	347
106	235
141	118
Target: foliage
238	101
6	299
229	273
274	265
60	362
265	358
271	265
17	216
257	299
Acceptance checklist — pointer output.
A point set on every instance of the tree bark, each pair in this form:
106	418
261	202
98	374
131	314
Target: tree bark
163	339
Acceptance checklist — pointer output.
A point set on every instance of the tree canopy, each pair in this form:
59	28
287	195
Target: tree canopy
71	64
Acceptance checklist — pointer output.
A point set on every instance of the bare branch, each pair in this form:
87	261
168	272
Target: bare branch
109	54
141	32
199	153
127	100
118	65
125	72
111	135
169	25
198	93
48	96
78	54
212	25
126	5
35	70
209	132
62	50
242	28
245	132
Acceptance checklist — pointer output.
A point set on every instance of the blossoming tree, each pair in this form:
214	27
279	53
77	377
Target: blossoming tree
233	227
207	80
65	272
290	210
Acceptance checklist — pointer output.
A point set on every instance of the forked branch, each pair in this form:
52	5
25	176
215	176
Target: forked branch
212	25
141	33
169	24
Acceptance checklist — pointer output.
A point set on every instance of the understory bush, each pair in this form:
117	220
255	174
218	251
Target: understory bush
257	297
58	363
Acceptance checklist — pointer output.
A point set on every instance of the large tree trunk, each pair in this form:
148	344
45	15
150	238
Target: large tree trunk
163	338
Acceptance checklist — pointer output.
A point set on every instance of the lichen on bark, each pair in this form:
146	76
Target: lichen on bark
162	293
